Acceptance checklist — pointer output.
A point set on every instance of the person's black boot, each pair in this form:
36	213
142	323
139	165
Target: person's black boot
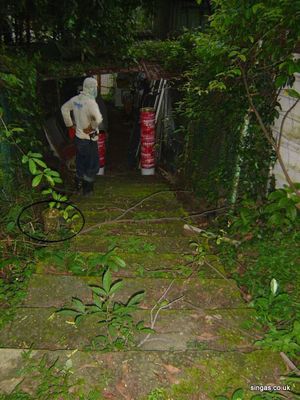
87	188
78	184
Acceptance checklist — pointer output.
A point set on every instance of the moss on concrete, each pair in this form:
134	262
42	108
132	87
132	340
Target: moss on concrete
211	376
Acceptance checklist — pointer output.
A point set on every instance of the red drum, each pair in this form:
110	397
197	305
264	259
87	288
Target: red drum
147	121
101	148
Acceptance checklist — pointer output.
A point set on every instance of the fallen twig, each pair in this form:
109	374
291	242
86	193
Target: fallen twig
153	319
118	218
194	229
153	220
290	363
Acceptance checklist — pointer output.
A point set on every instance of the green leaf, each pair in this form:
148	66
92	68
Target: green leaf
237	71
25	159
277	194
238	394
32	166
50	180
115	286
68	312
147	330
274	286
78	304
293	93
119	261
233	53
112	331
136	299
79	318
95	308
47	191
242	57
99	291
54	173
140	325
284	202
291	212
35	155
280	81
40	163
106	281
18	130
97	302
36	180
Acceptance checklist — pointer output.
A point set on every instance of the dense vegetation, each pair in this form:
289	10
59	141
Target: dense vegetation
70	30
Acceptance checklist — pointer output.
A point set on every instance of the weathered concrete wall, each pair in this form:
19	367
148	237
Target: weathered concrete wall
290	140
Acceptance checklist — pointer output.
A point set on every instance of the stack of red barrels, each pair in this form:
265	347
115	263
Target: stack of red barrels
147	119
101	151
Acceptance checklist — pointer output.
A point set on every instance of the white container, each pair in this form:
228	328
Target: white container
148	171
101	171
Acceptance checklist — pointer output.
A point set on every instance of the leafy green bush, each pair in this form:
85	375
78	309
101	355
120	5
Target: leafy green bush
282	209
269	252
114	317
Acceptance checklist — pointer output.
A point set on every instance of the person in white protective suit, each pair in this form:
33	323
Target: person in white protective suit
87	118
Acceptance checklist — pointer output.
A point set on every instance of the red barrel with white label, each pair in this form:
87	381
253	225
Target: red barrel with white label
147	121
101	151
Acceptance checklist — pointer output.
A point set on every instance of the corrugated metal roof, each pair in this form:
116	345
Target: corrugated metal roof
153	71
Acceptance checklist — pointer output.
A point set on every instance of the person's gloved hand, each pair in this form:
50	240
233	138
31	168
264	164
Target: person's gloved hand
88	130
72	132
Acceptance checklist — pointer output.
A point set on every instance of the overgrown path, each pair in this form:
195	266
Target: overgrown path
203	340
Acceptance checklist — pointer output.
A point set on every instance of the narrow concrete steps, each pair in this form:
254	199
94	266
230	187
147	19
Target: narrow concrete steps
163	229
169	265
133	192
202	344
222	330
57	290
134	374
132	244
158	201
111	214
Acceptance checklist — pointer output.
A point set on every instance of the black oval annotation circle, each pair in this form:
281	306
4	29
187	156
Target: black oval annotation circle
45	202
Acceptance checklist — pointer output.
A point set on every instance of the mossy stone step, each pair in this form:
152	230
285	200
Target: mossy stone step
138	229
133	375
222	330
169	266
57	290
132	244
110	214
158	201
